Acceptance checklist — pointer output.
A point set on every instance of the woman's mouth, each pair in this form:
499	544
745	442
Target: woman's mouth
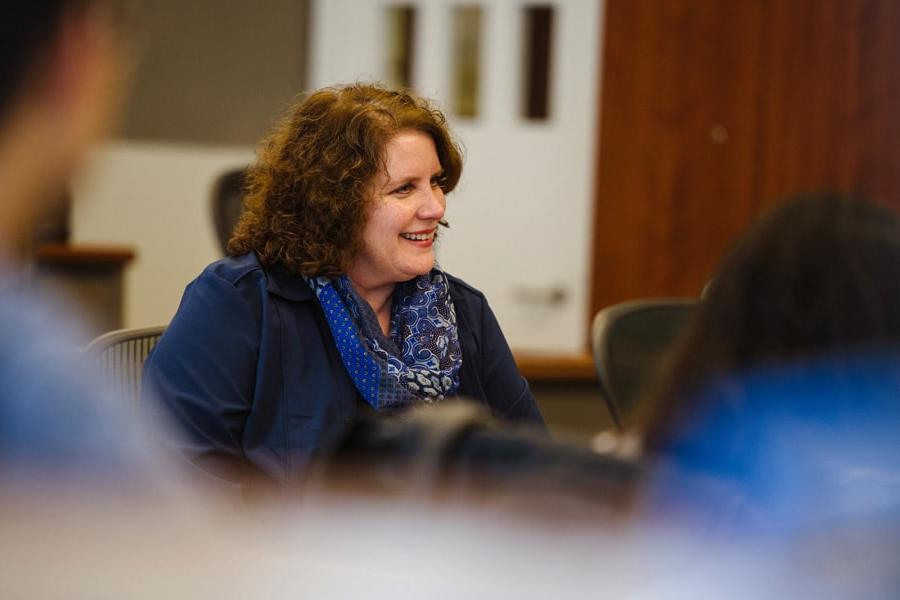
419	236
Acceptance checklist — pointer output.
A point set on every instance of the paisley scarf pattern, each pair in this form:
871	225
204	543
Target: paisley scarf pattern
418	362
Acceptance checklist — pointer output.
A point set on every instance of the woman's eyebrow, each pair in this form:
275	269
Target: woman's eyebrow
394	182
399	181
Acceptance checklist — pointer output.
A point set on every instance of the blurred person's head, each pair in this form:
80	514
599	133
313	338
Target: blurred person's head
818	277
59	87
453	451
313	191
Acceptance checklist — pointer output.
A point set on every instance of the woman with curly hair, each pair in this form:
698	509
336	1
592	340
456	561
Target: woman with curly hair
330	301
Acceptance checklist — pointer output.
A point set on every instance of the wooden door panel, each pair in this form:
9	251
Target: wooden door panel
832	98
660	174
713	110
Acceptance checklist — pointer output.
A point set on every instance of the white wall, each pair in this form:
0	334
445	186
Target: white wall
156	199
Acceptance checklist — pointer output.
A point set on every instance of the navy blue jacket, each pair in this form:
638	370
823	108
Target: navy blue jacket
250	372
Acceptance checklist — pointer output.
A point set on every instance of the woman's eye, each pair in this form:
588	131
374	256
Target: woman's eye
404	189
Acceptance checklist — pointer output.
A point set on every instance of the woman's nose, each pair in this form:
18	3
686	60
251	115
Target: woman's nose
433	204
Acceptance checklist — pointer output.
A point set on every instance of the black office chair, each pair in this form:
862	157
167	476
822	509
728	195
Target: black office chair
630	342
227	203
118	359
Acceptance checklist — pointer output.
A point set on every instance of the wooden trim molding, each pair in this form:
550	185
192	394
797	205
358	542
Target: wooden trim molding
83	255
538	366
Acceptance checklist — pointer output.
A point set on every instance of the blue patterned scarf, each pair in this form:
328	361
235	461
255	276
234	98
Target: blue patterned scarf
418	362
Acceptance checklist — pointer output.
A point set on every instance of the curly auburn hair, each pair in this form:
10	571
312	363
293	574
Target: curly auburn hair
306	199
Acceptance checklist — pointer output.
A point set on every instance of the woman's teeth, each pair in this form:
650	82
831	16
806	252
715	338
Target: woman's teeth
417	237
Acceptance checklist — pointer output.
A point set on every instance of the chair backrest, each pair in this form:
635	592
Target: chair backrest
228	203
630	342
118	359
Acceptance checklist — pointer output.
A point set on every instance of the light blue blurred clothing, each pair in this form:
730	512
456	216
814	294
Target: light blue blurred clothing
799	464
57	424
789	449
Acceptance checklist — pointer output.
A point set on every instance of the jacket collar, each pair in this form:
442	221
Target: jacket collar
290	287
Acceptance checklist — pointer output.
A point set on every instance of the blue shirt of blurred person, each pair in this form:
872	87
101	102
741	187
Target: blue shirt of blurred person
787	451
57	425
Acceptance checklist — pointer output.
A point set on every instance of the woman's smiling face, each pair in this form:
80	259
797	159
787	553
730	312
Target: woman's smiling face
407	203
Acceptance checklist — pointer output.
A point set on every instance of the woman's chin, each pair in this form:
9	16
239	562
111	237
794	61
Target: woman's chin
420	268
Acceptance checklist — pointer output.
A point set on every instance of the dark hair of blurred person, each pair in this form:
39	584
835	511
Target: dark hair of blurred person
453	451
819	277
